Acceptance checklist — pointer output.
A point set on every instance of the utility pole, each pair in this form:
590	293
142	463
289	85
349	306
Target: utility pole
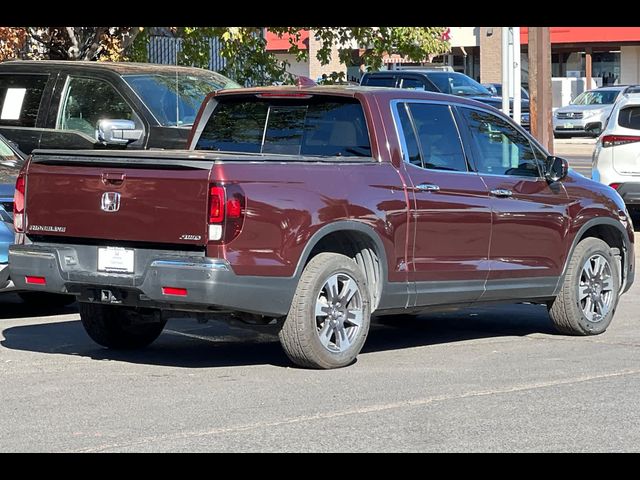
516	67
540	85
511	72
505	70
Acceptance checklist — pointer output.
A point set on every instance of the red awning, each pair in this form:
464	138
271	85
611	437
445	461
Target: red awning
588	34
276	43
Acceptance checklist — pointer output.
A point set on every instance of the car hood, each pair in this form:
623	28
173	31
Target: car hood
497	102
584	108
7	236
7	190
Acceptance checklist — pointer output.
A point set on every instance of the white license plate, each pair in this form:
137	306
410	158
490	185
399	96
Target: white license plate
115	259
567	125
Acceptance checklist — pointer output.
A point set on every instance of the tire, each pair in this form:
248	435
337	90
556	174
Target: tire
47	299
333	338
573	315
120	328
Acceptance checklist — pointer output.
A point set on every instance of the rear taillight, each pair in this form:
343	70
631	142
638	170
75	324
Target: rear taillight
18	204
216	205
226	212
615	140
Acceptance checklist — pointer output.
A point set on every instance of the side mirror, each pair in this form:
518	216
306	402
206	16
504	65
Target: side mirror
556	168
117	132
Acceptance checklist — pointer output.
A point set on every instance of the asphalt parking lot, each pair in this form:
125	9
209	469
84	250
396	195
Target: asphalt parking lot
483	379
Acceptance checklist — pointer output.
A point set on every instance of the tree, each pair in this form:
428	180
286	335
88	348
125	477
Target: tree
247	60
12	40
67	43
243	48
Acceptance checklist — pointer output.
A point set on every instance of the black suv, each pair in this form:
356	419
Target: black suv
79	105
452	83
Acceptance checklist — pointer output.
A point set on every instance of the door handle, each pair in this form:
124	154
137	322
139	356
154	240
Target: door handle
427	187
113	178
501	192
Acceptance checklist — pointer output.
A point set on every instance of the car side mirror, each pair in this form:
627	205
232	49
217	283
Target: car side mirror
556	168
117	132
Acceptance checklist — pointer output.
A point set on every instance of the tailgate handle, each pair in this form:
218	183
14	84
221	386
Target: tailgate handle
113	178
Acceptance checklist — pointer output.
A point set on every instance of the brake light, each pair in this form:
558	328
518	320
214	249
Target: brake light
226	212
216	205
18	204
35	280
180	292
615	140
283	95
615	186
234	208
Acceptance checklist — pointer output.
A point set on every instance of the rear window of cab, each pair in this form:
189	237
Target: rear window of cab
307	126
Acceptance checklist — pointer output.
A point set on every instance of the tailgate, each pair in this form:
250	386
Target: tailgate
123	198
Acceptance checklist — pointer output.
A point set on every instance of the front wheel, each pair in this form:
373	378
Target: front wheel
589	295
329	318
121	328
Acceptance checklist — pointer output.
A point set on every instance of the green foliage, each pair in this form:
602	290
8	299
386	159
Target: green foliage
244	48
334	78
138	51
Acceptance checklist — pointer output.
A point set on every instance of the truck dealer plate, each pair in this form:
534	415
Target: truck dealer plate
115	259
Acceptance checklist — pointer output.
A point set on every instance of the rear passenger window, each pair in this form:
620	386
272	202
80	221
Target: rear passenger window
20	97
630	117
314	127
389	81
438	137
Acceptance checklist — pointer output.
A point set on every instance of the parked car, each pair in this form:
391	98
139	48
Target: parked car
452	83
64	104
313	208
496	89
616	157
11	161
587	113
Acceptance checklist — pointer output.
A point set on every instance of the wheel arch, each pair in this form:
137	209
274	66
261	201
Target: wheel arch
357	240
608	230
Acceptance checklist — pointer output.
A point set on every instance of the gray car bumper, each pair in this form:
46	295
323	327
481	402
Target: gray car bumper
211	284
5	282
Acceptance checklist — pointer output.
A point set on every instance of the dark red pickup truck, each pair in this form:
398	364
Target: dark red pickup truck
317	207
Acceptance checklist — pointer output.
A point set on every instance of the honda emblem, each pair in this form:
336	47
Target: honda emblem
110	202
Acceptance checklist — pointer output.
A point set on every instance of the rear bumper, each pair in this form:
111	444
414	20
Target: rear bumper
630	193
5	283
577	126
211	283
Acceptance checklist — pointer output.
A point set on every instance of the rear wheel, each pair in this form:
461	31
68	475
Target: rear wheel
589	295
47	299
121	327
329	318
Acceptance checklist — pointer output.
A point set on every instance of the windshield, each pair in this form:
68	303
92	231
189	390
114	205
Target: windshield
158	92
596	97
457	84
10	164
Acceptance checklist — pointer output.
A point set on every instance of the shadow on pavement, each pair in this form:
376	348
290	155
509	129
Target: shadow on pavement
12	306
185	343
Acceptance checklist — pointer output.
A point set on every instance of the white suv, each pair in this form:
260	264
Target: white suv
588	112
616	158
